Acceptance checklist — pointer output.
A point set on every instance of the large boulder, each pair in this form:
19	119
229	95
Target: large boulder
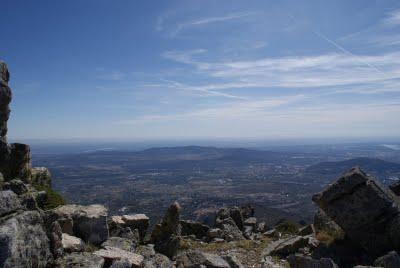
88	222
166	234
230	231
119	224
23	241
367	212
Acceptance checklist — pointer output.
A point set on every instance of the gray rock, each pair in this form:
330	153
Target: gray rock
118	225
9	202
157	261
81	260
88	222
194	228
23	241
72	244
119	242
322	223
261	227
252	221
146	251
214	233
195	258
17	186
111	254
367	212
269	262
286	246
233	261
41	176
390	260
54	233
166	235
121	264
230	231
298	261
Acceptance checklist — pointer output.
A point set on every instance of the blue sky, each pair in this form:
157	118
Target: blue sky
202	69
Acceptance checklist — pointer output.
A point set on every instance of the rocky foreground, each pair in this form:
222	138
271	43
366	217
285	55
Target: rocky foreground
358	223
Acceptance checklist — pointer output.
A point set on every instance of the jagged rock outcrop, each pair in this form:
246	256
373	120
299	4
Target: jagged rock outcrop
5	99
87	222
166	235
367	212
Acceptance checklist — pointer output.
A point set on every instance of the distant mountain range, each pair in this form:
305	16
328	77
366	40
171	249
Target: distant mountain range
379	168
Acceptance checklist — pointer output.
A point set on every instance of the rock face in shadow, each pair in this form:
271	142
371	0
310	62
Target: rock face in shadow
5	99
166	235
88	222
368	213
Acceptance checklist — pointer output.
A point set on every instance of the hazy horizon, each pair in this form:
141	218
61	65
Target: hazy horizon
171	70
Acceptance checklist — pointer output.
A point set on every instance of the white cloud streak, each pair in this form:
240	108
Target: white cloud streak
393	18
326	70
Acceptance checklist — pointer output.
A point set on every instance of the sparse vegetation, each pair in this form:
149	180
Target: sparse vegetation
328	237
53	199
287	227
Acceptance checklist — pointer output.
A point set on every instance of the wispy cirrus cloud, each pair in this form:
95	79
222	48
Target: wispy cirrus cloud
392	19
314	71
175	28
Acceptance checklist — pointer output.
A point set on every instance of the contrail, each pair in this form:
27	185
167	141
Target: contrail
347	52
320	35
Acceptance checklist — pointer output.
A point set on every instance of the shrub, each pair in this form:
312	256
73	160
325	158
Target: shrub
287	227
53	199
